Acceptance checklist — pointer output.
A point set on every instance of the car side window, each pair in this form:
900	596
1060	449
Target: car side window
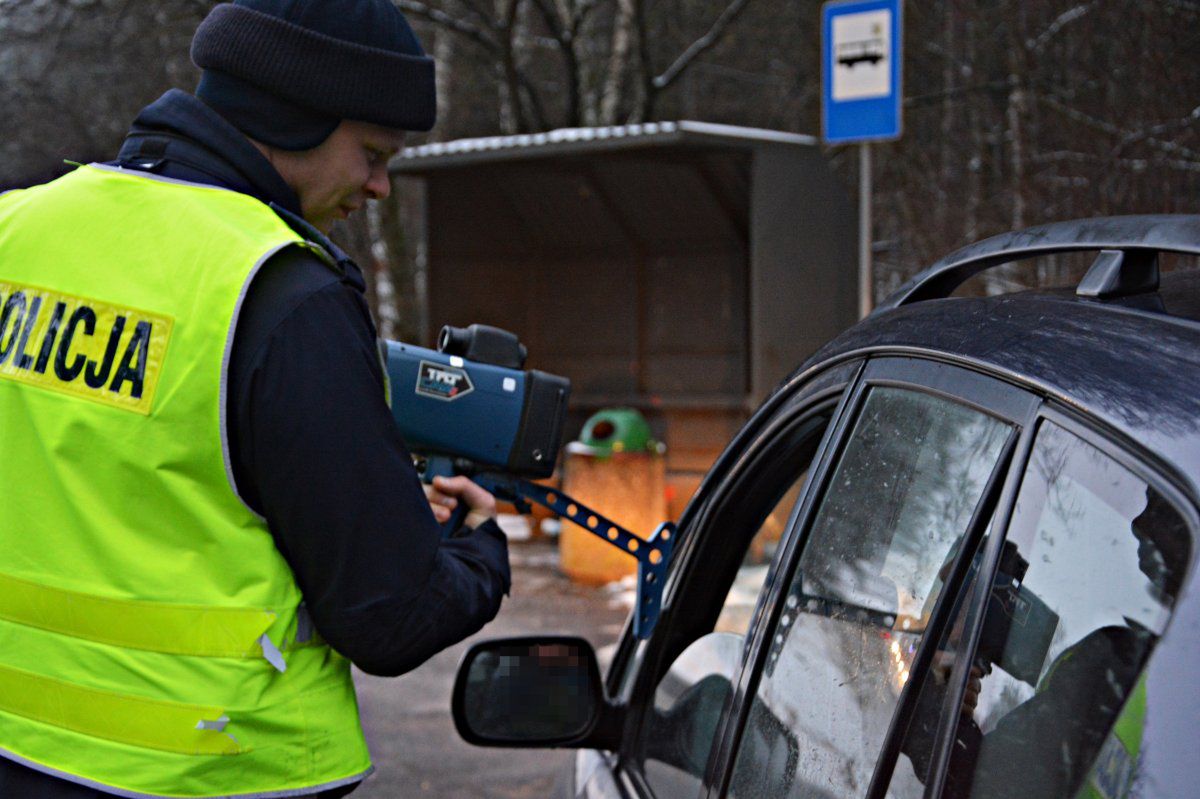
896	505
692	696
738	608
1087	578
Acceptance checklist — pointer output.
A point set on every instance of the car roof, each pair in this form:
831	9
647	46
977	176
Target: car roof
1132	363
1122	347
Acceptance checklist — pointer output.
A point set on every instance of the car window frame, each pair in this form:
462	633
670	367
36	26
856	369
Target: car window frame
801	391
675	637
955	381
802	397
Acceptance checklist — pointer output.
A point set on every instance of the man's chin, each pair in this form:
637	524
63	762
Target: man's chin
339	214
323	223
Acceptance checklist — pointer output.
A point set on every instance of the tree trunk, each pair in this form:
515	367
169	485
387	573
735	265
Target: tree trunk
511	116
1014	118
407	298
618	63
946	149
443	55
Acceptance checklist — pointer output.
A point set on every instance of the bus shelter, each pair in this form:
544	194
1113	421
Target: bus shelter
680	268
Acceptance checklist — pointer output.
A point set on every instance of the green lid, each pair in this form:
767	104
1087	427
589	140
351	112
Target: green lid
617	430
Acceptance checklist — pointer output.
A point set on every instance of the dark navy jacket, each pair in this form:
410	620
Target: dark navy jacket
314	448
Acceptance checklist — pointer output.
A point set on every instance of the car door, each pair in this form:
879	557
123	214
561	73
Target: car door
1055	633
910	485
912	650
682	686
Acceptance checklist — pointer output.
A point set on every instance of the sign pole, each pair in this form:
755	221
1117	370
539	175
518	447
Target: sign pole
866	282
862	52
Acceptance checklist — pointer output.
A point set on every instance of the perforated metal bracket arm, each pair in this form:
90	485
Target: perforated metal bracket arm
653	554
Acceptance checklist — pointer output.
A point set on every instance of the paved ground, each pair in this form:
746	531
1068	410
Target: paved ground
412	738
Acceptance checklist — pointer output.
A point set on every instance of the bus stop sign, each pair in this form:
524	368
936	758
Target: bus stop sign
861	58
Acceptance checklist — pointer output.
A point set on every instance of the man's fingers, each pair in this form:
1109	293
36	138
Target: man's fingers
441	504
476	497
437	498
457	486
480	503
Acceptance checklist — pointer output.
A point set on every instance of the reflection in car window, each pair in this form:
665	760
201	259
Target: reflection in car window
1087	579
688	704
897	504
691	698
739	605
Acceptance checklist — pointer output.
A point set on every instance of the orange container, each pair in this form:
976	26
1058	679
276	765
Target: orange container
627	487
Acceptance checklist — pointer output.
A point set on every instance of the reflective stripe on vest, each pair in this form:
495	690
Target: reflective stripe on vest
152	638
169	726
176	629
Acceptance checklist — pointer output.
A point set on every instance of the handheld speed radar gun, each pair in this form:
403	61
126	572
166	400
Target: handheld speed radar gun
471	408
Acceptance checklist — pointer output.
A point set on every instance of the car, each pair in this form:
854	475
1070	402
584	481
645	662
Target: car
968	526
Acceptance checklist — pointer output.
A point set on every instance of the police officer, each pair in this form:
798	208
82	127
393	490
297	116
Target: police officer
208	512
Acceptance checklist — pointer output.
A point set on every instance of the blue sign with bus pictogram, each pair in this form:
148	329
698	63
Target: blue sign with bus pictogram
861	58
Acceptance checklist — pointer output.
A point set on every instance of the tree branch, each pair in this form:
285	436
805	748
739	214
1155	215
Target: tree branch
705	42
480	12
439	17
1136	164
1111	129
566	47
582	10
508	63
553	22
1061	21
646	71
535	102
1152	133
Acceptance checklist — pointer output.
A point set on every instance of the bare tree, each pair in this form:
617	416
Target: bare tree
603	47
1016	113
73	73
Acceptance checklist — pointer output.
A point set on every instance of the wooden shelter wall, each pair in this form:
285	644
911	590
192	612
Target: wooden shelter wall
635	287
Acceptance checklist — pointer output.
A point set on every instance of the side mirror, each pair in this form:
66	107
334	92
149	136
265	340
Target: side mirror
530	692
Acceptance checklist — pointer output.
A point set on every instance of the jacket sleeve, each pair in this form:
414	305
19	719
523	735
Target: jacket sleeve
316	452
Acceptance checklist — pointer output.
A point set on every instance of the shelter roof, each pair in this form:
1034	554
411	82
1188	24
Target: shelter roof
588	141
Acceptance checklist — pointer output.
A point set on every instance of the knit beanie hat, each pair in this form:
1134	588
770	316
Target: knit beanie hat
286	72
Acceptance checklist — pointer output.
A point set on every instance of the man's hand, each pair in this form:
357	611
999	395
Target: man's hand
943	665
971	694
446	492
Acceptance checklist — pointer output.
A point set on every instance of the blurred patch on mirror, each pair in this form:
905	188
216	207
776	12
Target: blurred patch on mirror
540	691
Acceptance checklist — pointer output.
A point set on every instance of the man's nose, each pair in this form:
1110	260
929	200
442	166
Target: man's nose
379	185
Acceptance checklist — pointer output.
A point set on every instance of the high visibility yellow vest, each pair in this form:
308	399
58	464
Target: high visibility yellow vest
1116	766
152	638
